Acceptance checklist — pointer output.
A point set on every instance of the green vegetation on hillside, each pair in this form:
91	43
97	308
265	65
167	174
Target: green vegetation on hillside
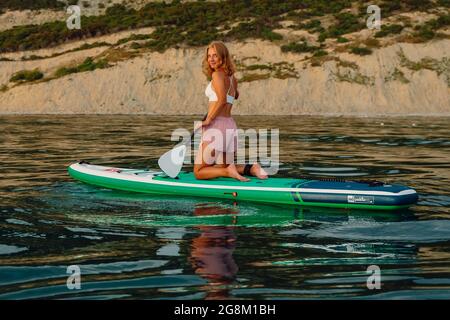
194	23
254	72
441	67
427	31
259	28
388	7
31	4
197	23
389	29
191	23
354	76
301	47
27	76
88	65
312	26
346	23
362	51
397	75
84	46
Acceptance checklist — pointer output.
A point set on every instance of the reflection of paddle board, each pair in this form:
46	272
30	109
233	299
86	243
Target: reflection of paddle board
300	192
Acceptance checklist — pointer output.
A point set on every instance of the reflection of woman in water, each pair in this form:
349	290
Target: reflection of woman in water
212	254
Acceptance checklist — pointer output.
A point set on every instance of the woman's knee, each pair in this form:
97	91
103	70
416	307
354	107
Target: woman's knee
197	173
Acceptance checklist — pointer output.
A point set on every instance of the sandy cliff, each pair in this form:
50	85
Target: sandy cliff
398	79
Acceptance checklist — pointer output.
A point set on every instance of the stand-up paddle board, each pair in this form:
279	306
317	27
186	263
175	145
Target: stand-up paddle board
333	193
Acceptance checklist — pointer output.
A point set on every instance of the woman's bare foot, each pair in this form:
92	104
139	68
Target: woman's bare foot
258	172
233	173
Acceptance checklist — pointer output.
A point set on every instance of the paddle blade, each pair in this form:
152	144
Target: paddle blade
171	162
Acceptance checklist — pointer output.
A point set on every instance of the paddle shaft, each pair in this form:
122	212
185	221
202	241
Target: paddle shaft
193	133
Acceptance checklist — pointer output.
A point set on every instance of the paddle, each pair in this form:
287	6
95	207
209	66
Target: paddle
171	162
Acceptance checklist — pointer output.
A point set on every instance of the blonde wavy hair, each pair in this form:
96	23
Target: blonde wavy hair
227	62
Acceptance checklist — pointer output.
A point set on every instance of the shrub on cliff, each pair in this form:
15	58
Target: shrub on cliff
312	26
299	47
417	4
440	22
259	28
362	51
31	4
346	23
389	29
424	33
88	65
27	76
427	31
342	40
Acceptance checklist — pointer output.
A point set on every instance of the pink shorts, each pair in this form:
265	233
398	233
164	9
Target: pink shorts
222	132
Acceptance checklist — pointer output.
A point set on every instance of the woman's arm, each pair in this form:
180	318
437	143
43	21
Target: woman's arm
218	83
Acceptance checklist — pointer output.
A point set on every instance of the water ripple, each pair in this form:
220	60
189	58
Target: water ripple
133	246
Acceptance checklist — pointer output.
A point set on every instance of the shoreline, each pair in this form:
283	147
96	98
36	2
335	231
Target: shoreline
325	115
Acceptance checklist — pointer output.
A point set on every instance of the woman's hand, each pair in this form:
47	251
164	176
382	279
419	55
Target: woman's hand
200	124
206	122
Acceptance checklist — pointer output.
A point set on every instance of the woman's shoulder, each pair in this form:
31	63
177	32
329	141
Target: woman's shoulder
218	76
221	75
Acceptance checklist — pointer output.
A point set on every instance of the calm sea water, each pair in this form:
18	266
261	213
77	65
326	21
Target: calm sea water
134	246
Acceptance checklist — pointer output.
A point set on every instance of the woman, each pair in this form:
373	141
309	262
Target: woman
219	143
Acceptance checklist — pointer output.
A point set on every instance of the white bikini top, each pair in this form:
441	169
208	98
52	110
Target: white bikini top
211	94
